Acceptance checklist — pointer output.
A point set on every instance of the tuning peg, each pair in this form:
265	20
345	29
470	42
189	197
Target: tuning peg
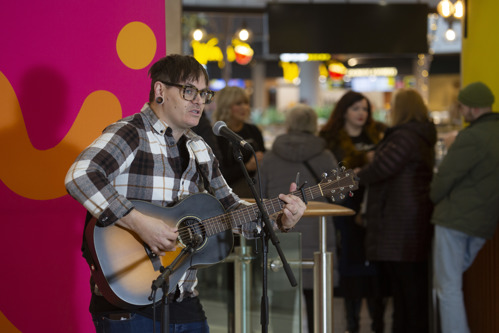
342	196
350	194
333	199
343	168
324	175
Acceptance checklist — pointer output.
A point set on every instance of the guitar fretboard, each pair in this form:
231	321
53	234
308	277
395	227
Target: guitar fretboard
234	219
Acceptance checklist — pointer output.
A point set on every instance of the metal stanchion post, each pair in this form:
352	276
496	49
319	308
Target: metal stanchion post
242	276
323	286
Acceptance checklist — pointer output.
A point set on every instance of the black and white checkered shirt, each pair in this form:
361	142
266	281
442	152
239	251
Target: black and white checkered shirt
137	158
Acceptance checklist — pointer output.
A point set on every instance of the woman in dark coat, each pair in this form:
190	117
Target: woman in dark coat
399	208
351	134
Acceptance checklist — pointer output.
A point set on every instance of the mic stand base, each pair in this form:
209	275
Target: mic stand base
165	309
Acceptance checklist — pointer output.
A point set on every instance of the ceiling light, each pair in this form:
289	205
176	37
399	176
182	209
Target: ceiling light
450	35
445	8
459	9
244	33
197	34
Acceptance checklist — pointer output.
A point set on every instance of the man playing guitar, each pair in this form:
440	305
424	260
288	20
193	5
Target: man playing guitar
154	157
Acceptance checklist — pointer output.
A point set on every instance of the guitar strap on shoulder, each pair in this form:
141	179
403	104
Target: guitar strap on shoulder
206	183
84	247
200	150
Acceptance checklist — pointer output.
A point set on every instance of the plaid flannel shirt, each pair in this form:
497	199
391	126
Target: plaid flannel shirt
137	158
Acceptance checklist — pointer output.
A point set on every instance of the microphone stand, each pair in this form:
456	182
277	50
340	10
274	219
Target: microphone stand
267	232
162	281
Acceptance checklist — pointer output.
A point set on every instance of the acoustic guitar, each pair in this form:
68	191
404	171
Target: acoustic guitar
123	266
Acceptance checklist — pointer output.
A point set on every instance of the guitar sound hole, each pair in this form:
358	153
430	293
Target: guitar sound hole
191	232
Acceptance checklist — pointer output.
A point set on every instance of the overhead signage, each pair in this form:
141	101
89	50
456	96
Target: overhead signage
209	51
377	71
238	51
302	57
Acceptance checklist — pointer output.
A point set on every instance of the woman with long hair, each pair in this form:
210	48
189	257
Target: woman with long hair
399	208
351	134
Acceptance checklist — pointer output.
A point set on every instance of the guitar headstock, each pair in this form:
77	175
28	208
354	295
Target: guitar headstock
340	182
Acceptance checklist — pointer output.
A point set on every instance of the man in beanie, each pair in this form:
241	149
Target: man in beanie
466	199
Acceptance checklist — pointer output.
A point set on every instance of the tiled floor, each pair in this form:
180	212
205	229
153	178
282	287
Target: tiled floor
365	321
217	318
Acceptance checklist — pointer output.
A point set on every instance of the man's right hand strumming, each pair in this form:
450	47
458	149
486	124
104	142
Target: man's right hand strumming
153	231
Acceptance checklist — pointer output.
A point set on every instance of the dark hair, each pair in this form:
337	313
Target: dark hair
337	138
337	119
175	68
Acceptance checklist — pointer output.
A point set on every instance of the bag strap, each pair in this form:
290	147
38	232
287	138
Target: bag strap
317	178
309	167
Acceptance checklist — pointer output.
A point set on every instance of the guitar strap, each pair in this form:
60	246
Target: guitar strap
200	150
84	247
206	183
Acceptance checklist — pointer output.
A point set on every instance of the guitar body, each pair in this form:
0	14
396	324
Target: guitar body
124	268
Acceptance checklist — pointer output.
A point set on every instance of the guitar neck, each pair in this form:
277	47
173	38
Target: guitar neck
249	214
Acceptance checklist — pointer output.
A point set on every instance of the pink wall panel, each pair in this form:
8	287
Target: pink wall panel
67	68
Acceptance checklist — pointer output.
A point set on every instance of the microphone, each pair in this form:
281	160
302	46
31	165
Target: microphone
221	129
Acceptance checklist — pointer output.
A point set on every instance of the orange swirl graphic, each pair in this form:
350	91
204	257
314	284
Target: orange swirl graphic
6	325
39	174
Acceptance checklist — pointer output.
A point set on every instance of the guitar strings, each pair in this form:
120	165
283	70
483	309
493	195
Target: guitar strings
208	226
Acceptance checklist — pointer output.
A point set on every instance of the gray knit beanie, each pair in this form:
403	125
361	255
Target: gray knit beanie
477	95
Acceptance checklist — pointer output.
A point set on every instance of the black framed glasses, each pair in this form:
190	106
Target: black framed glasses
189	92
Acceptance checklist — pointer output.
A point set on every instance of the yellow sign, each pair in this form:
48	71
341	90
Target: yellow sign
209	51
239	51
290	70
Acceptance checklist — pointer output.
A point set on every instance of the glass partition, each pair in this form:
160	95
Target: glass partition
231	291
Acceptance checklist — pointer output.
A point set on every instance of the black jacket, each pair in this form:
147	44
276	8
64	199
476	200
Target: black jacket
399	208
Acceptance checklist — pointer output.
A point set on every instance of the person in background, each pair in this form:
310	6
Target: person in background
465	194
232	107
154	156
301	150
352	134
399	209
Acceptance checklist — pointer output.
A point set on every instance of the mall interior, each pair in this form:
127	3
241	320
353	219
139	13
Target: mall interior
68	69
289	67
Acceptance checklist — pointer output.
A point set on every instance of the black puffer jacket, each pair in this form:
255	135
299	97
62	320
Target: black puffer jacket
399	208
